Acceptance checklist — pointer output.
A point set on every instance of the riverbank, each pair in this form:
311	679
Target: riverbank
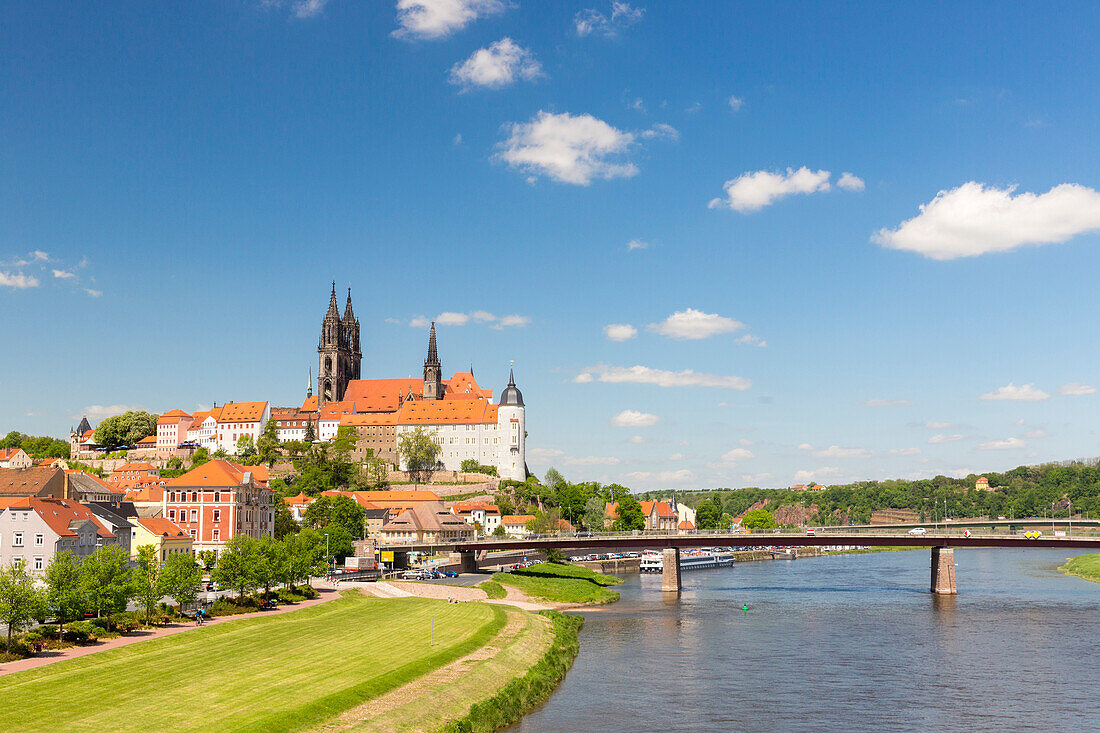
560	583
1086	567
353	662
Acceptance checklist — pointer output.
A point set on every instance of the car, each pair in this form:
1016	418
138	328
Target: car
918	530
450	574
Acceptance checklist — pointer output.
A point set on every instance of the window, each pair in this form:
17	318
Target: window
172	514
38	562
39	540
217	515
192	533
217	535
194	515
17	541
217	496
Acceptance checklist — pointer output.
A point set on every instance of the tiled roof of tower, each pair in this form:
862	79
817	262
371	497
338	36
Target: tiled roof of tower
172	416
219	472
310	404
242	411
365	419
463	386
441	412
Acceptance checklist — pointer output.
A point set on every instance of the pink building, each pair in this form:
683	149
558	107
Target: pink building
172	429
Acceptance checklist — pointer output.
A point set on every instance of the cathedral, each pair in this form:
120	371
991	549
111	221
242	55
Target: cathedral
462	417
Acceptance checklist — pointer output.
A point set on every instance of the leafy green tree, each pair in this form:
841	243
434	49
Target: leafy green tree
555	555
246	448
340	543
552	479
65	599
208	559
305	554
147	589
107	580
181	578
20	599
594	513
374	473
126	429
200	456
419	452
500	531
14	439
238	565
707	514
545	522
272	559
326	511
267	445
759	519
630	515
284	521
310	435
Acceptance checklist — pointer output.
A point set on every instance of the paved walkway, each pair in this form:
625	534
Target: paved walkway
58	655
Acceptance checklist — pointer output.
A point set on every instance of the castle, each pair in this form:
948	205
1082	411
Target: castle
462	417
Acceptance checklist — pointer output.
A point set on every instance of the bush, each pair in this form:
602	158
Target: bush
82	632
306	591
287	596
99	623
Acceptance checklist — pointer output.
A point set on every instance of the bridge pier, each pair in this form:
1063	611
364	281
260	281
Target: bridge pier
670	571
943	571
466	561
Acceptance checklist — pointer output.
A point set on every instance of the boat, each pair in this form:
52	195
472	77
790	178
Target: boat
653	562
784	554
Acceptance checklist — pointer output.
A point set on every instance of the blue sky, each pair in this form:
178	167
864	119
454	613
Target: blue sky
181	181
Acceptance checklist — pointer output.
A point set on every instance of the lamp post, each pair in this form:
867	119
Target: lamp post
327	560
1052	516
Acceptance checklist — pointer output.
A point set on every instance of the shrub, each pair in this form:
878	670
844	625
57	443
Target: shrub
82	632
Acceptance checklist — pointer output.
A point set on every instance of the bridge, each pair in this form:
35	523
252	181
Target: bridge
942	544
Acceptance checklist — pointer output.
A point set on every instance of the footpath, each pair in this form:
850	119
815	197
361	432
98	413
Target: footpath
136	637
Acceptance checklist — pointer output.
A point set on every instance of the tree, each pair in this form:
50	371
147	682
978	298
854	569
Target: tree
555	555
326	511
594	513
544	522
126	429
267	445
630	515
759	519
238	565
199	457
208	559
270	568
419	452
707	514
107	580
65	598
340	543
374	472
310	435
20	599
246	448
284	521
181	578
552	479
500	531
305	554
147	580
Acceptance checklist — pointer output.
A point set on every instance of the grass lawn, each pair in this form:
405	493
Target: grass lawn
1084	566
562	583
272	673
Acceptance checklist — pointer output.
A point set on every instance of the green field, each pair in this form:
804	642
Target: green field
273	673
1084	566
560	583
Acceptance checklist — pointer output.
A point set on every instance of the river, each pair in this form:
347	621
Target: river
840	643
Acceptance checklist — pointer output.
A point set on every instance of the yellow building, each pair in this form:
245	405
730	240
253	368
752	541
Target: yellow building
165	537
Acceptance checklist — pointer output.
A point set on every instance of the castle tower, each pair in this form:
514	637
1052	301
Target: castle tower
337	362
512	425
433	371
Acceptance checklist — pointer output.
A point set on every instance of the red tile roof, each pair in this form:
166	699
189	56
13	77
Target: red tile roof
172	416
242	411
516	519
59	514
437	412
219	473
161	526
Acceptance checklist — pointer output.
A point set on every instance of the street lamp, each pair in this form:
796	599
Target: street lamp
327	560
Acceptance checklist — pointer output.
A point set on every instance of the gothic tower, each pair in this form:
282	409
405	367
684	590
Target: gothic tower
433	371
338	356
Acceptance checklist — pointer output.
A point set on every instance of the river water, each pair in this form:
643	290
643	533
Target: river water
841	643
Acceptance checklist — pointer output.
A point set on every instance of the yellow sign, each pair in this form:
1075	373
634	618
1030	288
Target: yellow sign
387	555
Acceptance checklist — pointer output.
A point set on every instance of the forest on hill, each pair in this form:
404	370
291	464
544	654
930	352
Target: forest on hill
1026	491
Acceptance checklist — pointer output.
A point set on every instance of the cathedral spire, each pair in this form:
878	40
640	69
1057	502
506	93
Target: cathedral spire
333	310
433	371
349	314
433	352
309	384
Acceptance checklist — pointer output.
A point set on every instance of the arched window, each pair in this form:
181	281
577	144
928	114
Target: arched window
328	364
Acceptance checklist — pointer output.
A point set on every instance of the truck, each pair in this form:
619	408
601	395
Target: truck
356	564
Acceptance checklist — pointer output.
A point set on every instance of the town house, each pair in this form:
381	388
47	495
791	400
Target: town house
34	529
218	500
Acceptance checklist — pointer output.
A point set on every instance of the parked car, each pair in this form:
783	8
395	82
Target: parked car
450	574
918	530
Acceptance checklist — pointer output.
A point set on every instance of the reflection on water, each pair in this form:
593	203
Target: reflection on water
850	642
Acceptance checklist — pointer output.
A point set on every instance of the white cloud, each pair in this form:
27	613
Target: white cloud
805	446
568	148
308	8
756	477
753	191
623	15
634	419
746	442
636	439
676	457
592	461
483	316
682	475
937	425
942	438
1076	389
634	244
63	274
835	451
886	403
850	182
619	331
419	322
1035	433
737	454
434	19
583	378
449	318
573	148
905	451
93	293
514	320
1006	444
972	220
457	139
805	476
30	259
98	412
751	340
544	454
17	280
691	324
660	377
1023	393
736	103
497	66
